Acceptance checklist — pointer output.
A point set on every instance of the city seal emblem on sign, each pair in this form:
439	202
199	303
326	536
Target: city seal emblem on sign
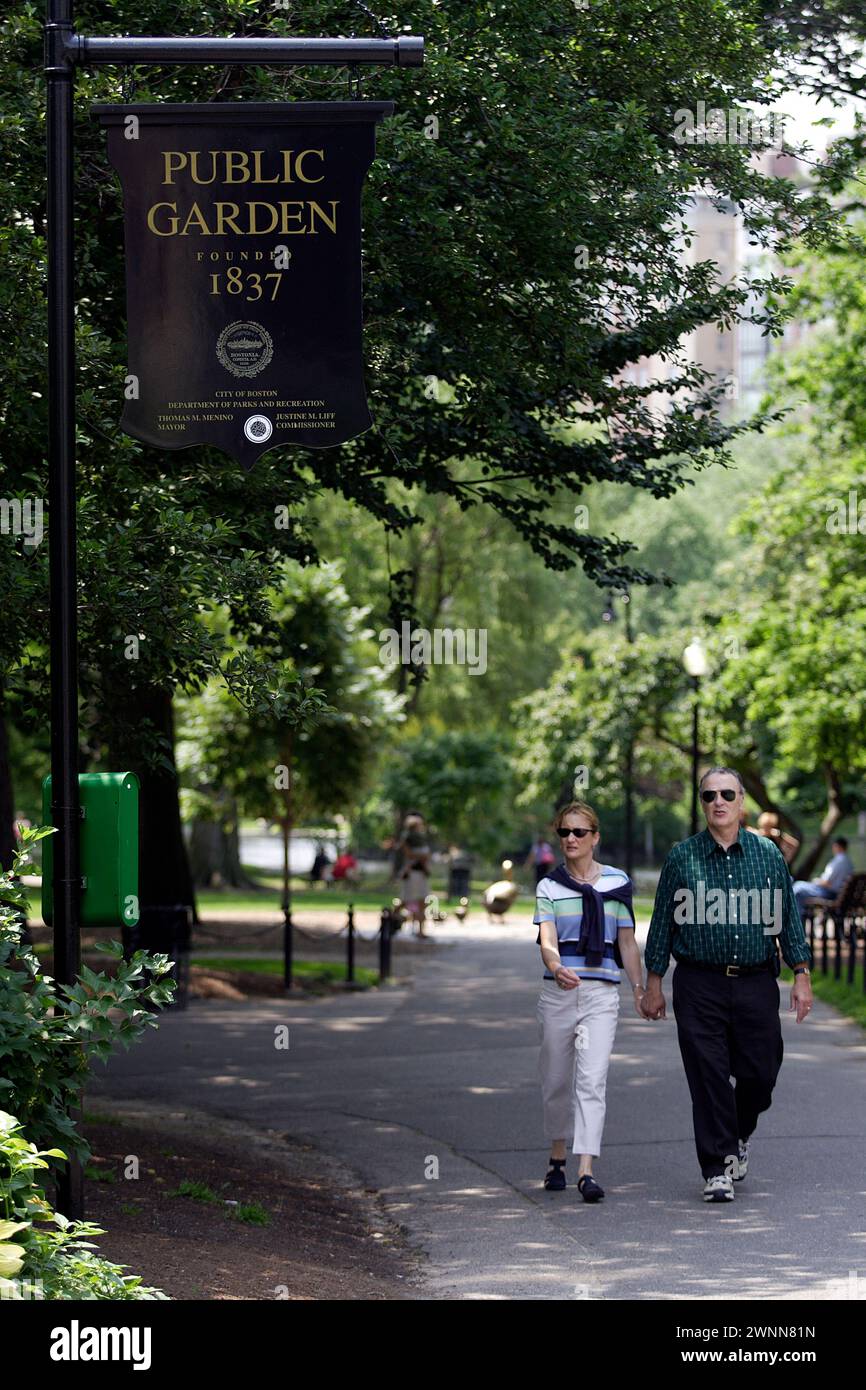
245	349
258	428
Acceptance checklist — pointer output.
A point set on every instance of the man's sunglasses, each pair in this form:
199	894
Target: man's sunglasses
564	831
727	793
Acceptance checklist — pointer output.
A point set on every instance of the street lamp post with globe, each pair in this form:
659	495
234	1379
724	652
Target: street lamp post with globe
697	666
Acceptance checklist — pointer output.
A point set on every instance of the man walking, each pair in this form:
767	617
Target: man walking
724	897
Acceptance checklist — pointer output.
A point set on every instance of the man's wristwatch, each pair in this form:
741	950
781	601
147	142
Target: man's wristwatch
802	970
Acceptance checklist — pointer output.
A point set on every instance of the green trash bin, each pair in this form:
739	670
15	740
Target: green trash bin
109	849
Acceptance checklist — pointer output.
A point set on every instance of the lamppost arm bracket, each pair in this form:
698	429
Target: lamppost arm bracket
64	48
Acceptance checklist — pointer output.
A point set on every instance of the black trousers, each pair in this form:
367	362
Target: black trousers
728	1026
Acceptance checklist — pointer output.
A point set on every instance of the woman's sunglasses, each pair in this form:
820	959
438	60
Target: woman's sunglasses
564	831
727	793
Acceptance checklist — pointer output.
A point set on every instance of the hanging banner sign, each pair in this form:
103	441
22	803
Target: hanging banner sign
243	271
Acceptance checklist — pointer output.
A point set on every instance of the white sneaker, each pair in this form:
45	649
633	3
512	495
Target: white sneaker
742	1159
719	1189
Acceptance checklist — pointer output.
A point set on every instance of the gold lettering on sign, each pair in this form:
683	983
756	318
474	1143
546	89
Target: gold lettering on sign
151	219
258	177
330	222
297	218
254	228
299	165
235	159
196	214
194	172
234	166
204	167
173	161
285	229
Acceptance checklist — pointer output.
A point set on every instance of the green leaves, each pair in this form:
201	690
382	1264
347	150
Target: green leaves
48	1032
11	1256
57	1263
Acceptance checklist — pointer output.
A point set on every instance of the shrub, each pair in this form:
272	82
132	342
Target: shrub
54	1259
50	1031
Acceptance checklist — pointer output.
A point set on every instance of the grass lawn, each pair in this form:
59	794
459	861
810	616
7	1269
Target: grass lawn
306	899
265	899
374	895
313	970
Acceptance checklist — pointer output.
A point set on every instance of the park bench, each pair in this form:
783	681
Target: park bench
847	910
847	913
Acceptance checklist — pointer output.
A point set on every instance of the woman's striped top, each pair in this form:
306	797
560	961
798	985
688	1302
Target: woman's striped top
557	903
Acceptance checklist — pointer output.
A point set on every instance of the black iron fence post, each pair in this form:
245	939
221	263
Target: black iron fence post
385	945
288	931
350	946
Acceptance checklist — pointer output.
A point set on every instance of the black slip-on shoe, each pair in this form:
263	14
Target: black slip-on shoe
589	1189
555	1180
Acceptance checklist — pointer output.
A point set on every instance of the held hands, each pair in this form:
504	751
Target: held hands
652	1004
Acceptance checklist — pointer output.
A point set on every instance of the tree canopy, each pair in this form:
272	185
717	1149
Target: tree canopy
524	222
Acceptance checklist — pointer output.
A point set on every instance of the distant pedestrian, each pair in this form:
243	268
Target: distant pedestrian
541	857
345	868
320	863
768	825
413	871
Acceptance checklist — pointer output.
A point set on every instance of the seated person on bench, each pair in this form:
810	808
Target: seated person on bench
833	879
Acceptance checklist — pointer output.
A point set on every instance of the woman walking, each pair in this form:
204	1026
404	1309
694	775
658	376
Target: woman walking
414	871
586	932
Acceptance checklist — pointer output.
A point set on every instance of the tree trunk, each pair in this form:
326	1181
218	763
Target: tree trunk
7	818
396	854
287	819
836	810
7	806
164	872
214	854
754	784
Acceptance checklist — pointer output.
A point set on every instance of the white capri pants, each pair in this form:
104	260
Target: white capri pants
576	1031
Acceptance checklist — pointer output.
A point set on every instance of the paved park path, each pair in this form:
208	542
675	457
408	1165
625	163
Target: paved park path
442	1071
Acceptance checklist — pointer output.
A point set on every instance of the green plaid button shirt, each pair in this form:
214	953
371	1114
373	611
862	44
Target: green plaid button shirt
684	925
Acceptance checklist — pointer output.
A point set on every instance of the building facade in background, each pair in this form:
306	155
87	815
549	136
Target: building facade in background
736	357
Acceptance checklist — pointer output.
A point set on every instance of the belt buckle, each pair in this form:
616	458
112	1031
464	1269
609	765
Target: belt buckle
732	970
